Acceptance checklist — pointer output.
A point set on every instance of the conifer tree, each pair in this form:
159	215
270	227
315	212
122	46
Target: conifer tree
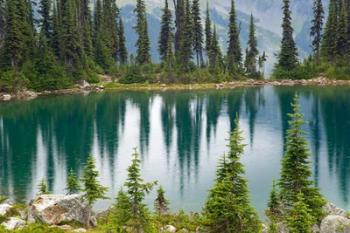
288	55
72	50
252	51
185	52
136	190
234	53
123	52
42	188
46	19
161	203
121	211
73	185
166	33
227	208
299	219
197	32
215	55
2	23
143	44
19	33
329	44
91	187
316	28
208	32
56	40
85	24
295	171
341	36
274	204
179	24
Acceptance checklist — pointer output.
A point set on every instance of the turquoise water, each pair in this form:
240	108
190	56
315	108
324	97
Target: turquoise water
180	136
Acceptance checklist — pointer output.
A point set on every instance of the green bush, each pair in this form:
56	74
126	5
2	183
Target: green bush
303	71
46	76
13	81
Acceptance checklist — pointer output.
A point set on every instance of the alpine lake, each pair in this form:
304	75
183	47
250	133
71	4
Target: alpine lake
180	136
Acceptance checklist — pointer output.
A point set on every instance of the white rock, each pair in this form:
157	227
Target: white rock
57	209
332	209
4	209
13	223
335	224
80	230
6	97
168	229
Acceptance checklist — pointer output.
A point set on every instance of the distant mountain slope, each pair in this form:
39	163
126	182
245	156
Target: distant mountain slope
268	19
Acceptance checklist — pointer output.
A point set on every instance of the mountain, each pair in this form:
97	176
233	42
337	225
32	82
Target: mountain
268	16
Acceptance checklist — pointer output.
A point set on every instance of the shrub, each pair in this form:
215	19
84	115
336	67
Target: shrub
13	81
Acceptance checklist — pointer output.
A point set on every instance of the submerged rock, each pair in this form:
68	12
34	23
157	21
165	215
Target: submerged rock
335	224
13	223
58	209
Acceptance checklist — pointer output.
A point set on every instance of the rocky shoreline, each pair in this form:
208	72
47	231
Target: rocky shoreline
85	87
66	211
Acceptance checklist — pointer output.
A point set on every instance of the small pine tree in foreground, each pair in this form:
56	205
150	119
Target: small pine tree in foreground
295	171
299	219
228	207
91	187
161	203
73	185
135	213
43	188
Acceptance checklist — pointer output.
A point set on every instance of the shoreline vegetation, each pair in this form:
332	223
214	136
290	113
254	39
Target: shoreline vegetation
295	204
115	86
58	43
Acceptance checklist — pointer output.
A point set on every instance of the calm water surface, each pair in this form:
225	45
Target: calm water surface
180	136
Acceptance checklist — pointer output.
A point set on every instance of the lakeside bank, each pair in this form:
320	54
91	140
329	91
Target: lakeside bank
85	87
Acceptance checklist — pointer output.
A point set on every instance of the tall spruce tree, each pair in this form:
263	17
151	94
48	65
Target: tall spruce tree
19	33
197	32
143	44
228	207
208	32
166	33
215	55
85	24
329	43
252	51
72	49
316	28
295	171
2	23
288	55
46	19
341	36
123	51
234	53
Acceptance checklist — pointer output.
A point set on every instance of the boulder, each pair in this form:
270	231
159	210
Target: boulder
13	223
5	208
168	229
335	224
80	230
332	209
6	97
58	209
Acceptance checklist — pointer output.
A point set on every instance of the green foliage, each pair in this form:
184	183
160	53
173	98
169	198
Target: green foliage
143	44
295	171
136	190
73	185
288	56
161	203
299	219
91	187
37	228
252	52
43	188
227	208
166	34
13	81
120	212
2	199
234	52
